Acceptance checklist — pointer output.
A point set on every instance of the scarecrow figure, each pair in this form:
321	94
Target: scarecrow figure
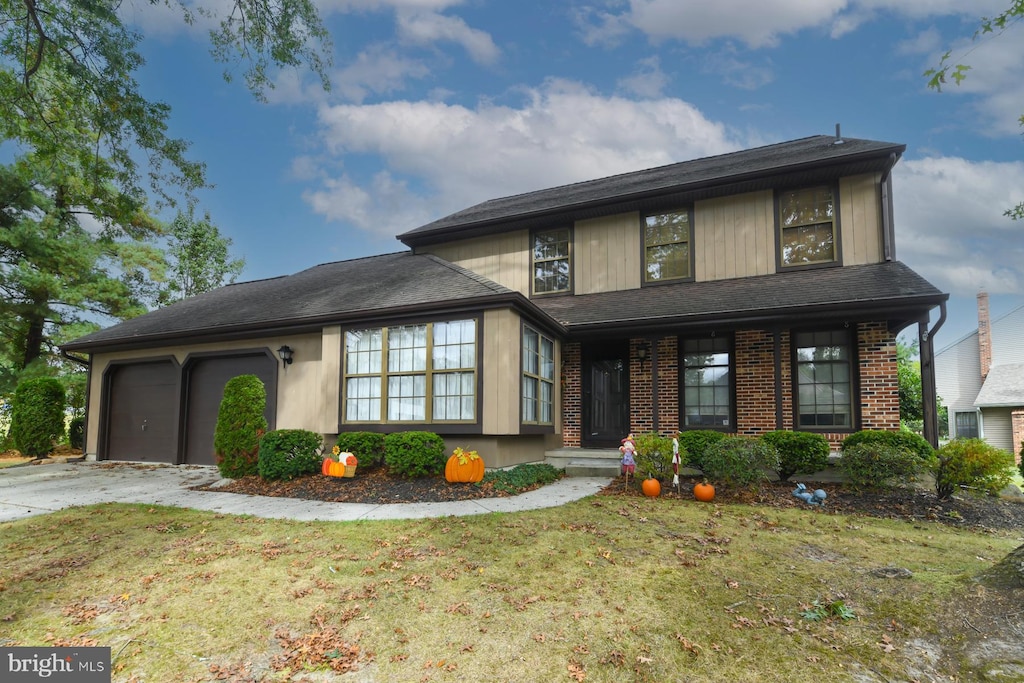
628	450
675	461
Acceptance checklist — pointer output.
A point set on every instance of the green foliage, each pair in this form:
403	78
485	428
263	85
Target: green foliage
695	442
909	374
972	463
368	447
37	416
739	461
819	611
654	455
1022	460
915	443
76	433
199	258
521	477
876	464
415	454
799	452
240	425
289	453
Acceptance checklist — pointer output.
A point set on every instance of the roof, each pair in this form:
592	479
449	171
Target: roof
366	288
882	291
1004	387
815	159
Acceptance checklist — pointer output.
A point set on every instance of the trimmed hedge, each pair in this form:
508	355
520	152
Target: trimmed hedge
76	433
915	443
799	452
368	447
289	453
240	424
739	461
415	454
37	416
972	463
876	464
695	442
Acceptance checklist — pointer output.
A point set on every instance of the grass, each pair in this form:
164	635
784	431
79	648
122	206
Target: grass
604	589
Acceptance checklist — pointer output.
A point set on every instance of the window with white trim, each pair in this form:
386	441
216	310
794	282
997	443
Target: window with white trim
967	425
538	378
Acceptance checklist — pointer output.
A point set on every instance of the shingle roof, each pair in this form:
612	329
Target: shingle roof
883	290
1004	387
760	162
333	291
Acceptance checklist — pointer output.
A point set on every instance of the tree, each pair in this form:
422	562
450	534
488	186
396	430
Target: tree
909	372
199	258
946	70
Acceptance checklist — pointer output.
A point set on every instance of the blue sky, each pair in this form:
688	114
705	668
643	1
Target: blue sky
440	104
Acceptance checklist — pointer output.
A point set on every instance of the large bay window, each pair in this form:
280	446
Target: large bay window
411	373
824	378
538	378
807	227
707	383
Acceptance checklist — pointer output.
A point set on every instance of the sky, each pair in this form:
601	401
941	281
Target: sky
437	105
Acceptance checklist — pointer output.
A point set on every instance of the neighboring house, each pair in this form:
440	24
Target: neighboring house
745	292
980	379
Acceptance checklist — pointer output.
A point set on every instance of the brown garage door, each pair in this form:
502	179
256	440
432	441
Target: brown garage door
206	378
142	415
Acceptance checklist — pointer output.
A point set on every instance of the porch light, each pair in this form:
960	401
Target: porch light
642	350
285	352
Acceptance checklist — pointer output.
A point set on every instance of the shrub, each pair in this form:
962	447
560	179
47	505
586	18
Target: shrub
415	454
739	461
654	455
696	442
799	452
289	453
37	416
240	424
974	463
915	443
521	477
874	464
76	433
368	447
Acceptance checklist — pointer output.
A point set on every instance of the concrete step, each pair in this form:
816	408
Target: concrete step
593	467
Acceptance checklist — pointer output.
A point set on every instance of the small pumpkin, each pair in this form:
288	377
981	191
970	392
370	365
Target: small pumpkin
704	492
325	466
651	487
464	466
336	469
350	459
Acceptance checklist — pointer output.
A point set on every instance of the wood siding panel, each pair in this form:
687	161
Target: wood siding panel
503	258
1008	338
860	219
500	367
606	254
733	236
997	427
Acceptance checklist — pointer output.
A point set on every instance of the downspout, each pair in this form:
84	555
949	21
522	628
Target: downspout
929	404
888	220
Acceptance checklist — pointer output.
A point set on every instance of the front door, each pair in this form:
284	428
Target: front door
605	395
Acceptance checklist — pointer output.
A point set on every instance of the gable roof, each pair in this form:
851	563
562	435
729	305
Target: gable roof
890	291
370	288
814	159
1004	387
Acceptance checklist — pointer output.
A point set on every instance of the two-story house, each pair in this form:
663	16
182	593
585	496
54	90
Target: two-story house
980	378
746	292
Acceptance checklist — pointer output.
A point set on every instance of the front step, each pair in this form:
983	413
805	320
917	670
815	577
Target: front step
585	462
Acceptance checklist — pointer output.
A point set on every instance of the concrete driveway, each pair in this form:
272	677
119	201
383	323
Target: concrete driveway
39	489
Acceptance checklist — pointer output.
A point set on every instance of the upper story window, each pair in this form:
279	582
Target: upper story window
667	253
807	227
551	261
538	378
824	379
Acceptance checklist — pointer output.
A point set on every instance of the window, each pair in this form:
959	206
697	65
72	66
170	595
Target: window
538	378
807	227
551	265
824	380
411	373
707	383
967	425
667	246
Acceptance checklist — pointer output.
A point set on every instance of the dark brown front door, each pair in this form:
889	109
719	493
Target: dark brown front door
605	395
142	415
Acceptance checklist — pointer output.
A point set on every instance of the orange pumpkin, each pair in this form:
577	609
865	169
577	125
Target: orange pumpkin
464	466
324	467
651	487
350	459
336	469
704	492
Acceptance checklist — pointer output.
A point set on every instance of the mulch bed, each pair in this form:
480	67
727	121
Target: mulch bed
374	486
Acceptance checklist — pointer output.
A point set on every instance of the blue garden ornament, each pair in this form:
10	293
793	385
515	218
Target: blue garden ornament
816	498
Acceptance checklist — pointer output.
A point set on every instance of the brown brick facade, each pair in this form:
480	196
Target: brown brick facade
572	394
1017	419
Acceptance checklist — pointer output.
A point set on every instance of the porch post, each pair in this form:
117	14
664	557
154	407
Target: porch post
929	408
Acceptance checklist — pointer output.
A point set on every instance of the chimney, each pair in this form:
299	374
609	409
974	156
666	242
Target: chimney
984	335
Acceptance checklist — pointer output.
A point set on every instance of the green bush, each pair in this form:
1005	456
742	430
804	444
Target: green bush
521	477
654	455
368	447
415	454
908	441
875	464
739	461
37	416
696	442
240	424
289	453
973	463
76	433
799	452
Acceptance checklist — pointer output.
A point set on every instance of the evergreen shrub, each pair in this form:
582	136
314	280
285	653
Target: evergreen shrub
876	464
739	461
37	416
654	455
368	447
909	441
971	463
289	453
799	452
695	442
240	425
415	454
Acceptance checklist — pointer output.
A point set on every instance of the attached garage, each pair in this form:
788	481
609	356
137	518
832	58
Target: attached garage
142	411
205	378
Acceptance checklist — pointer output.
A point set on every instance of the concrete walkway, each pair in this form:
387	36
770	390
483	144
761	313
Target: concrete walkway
39	489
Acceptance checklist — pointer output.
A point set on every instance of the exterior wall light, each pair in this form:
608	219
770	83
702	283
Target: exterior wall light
285	352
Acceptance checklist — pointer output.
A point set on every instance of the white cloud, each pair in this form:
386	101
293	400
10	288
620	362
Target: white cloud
377	70
950	225
647	80
443	157
427	28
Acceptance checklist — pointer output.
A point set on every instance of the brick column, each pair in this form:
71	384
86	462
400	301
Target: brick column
755	382
641	410
668	385
572	394
1017	419
879	378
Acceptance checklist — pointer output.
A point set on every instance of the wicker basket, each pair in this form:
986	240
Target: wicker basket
350	470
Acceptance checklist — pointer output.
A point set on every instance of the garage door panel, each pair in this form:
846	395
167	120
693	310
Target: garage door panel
142	415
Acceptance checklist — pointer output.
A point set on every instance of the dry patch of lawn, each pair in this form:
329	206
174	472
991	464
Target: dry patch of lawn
604	589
